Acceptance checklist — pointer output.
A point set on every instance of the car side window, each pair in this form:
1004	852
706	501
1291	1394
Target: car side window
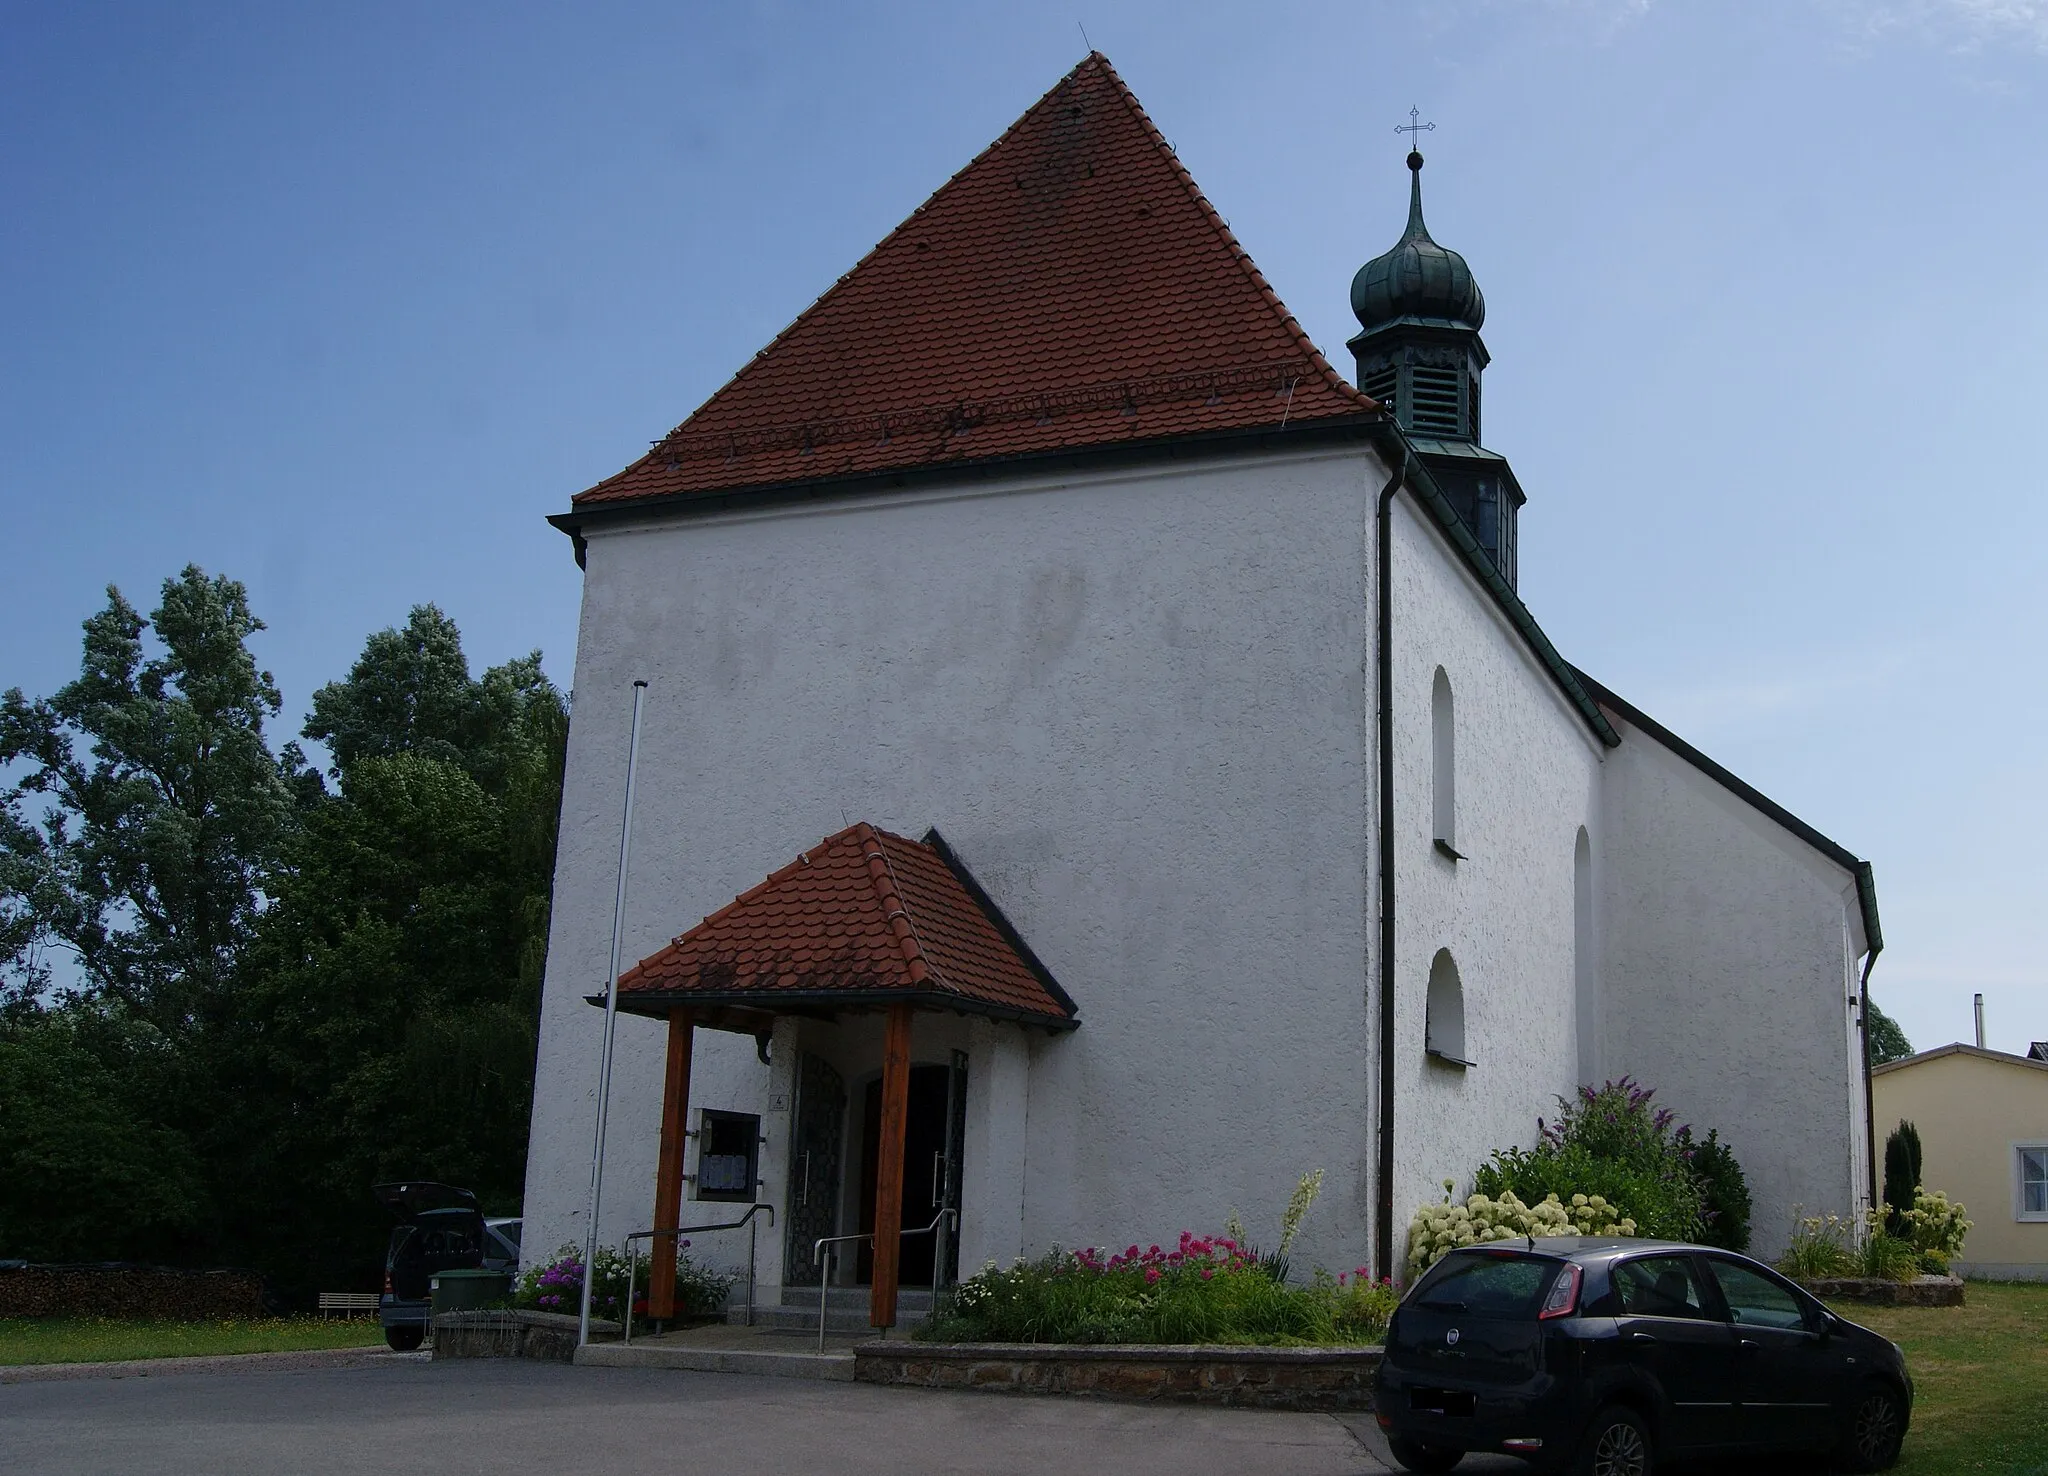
1756	1300
1659	1286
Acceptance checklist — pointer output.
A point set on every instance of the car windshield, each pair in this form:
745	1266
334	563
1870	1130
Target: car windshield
1486	1283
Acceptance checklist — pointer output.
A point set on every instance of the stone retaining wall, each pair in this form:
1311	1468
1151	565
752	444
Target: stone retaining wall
1255	1378
123	1291
1925	1291
549	1336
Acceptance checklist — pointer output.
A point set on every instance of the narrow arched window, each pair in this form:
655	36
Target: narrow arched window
1443	1031
1585	964
1443	730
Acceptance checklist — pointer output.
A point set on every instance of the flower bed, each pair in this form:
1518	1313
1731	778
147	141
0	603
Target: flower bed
557	1286
1206	1290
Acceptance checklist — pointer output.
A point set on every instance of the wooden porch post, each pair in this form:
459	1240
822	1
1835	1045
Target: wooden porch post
668	1174
889	1167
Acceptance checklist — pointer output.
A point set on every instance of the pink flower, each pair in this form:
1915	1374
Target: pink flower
1151	1275
1207	1273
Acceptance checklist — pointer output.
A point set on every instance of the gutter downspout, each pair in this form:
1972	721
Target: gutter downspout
1874	945
1383	1212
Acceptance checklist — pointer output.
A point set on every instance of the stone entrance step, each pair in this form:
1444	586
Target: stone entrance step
846	1310
792	1363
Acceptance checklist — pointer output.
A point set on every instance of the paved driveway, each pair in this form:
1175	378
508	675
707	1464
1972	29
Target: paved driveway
503	1416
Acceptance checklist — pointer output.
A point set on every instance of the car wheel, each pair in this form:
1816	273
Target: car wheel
1415	1456
404	1339
1877	1427
1617	1443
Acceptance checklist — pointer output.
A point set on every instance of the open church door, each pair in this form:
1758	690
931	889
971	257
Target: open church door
948	1270
817	1130
932	1132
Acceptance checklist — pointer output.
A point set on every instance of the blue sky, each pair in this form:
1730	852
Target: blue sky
343	300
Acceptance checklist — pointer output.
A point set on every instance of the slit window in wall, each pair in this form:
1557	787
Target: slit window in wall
1443	767
1585	981
728	1155
1443	1030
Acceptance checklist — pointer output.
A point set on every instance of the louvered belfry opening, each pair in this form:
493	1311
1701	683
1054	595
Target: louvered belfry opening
1437	401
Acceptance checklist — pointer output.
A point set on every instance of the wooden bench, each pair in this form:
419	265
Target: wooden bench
347	1303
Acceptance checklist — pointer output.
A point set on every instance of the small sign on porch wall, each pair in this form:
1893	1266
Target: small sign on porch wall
729	1150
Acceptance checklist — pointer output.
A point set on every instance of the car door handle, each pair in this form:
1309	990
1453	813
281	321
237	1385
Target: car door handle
1641	1337
1749	1345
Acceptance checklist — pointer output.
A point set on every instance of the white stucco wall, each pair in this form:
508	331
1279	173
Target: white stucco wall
1137	706
1730	963
1528	778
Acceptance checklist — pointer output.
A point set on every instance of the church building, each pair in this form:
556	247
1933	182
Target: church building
1160	788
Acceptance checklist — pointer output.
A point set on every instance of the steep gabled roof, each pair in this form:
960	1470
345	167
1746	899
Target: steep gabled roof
1070	288
863	919
1756	799
1958	1049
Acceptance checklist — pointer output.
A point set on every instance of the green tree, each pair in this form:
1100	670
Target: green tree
88	1174
395	983
278	990
1902	1160
148	807
1887	1041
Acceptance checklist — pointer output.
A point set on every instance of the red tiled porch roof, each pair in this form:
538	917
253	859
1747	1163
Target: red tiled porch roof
864	919
1069	288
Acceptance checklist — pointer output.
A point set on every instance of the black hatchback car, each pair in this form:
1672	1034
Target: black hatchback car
1607	1356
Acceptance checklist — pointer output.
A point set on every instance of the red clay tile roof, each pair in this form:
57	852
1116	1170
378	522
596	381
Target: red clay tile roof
867	916
1069	288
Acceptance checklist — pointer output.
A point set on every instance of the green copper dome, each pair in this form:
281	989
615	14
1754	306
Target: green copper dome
1418	278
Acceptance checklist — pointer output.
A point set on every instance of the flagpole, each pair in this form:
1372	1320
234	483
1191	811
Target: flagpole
611	1020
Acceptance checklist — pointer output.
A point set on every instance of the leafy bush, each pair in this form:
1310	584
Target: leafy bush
1440	1228
1725	1189
1821	1249
1611	1142
1210	1289
1829	1246
558	1285
1935	1225
1885	1257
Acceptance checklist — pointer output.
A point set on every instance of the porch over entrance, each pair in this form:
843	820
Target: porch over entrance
868	922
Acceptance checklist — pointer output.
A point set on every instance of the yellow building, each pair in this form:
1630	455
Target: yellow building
1983	1120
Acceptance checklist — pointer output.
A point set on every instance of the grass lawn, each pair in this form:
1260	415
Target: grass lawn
1980	1379
98	1340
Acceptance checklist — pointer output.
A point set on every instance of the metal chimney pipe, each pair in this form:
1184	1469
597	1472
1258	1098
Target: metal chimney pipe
1980	1022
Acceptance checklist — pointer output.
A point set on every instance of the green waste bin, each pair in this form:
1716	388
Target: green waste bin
461	1291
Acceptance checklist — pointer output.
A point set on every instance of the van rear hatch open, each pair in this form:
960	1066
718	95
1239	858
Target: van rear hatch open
441	1228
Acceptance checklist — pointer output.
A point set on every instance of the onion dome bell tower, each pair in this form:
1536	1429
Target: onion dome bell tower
1419	354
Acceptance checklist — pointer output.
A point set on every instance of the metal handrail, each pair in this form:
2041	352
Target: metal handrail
947	1217
747	1219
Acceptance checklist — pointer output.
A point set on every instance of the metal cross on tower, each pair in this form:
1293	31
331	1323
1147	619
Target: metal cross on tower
1412	126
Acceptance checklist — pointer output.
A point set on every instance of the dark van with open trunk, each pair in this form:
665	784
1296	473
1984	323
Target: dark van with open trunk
1609	1356
440	1228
